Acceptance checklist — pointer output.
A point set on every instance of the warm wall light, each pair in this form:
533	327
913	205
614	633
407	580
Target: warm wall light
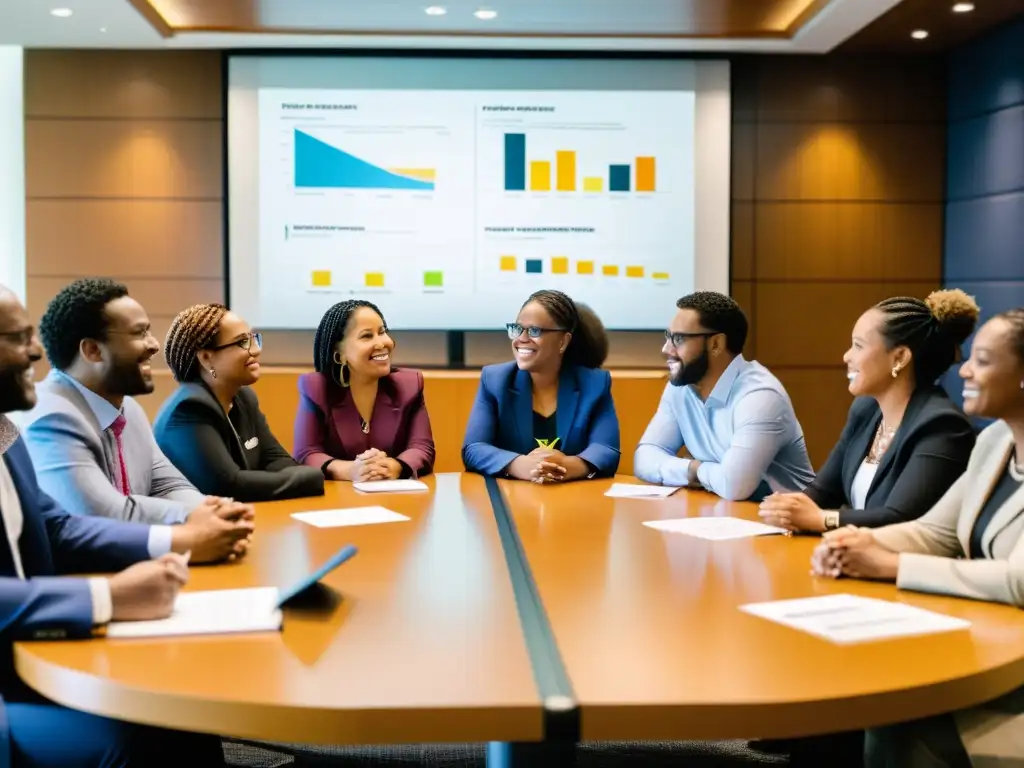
435	10
61	13
963	7
485	14
919	34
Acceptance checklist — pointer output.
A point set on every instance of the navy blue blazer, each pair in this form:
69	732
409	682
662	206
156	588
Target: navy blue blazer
54	542
500	425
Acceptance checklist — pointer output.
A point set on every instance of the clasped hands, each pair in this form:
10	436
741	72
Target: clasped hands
854	552
547	465
373	464
792	511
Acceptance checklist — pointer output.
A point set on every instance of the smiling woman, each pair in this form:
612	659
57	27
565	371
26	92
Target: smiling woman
548	416
360	418
211	427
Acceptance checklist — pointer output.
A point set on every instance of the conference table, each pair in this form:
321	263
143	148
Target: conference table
530	617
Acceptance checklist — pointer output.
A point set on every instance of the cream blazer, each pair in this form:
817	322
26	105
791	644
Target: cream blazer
934	547
934	559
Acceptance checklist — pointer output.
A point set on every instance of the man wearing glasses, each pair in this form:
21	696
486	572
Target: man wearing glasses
732	415
92	444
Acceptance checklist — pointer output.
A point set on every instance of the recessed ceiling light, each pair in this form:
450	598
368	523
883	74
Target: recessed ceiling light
485	14
919	34
963	7
435	10
103	29
61	13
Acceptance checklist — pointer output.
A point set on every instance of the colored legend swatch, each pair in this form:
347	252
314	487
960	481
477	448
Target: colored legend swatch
508	263
374	279
433	279
584	267
565	165
559	265
610	270
634	271
423	174
322	278
540	176
618	178
593	184
645	174
534	266
659	275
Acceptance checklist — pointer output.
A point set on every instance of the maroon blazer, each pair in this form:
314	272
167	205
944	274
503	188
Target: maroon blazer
327	425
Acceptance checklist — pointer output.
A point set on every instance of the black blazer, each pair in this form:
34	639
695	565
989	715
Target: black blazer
195	434
928	453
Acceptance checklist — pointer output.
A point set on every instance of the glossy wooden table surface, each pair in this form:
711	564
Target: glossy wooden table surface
424	646
655	648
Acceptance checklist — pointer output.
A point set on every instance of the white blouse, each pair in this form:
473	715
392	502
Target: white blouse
861	484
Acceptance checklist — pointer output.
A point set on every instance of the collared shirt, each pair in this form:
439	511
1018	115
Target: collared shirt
14	523
105	414
745	435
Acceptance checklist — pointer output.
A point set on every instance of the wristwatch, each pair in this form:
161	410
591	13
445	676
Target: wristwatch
831	520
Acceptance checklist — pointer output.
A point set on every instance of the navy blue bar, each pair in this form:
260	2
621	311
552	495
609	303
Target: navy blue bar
515	161
618	178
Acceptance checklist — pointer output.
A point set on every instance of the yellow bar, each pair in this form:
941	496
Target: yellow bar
634	271
584	267
374	279
610	270
322	278
540	176
559	265
645	174
508	263
660	275
420	174
566	164
593	184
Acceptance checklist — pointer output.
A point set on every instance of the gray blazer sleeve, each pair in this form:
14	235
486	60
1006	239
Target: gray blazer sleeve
66	453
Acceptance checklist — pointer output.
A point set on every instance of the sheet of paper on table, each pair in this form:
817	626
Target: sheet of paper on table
336	518
715	528
852	619
634	491
390	486
215	612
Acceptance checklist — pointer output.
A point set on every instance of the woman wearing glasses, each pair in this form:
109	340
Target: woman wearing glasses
212	428
359	418
547	416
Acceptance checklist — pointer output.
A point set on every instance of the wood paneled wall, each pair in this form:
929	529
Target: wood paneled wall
837	202
837	187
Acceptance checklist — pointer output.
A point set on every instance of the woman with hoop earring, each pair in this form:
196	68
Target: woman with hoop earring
359	418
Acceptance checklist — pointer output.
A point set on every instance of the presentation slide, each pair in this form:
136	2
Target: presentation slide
447	207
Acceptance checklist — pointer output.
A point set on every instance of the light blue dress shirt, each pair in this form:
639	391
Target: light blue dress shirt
159	535
746	436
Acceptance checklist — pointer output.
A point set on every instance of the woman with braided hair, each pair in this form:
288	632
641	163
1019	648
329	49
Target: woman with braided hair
212	428
904	442
969	545
359	418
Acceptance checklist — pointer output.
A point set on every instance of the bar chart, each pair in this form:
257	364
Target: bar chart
335	281
513	264
524	174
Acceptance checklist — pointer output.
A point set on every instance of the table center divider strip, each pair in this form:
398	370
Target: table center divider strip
561	710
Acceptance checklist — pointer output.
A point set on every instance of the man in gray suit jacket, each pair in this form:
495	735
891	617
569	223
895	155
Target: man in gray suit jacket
91	443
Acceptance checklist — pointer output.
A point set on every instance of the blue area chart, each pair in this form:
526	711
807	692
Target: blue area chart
320	165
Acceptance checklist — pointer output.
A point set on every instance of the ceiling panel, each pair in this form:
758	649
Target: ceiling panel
891	32
563	18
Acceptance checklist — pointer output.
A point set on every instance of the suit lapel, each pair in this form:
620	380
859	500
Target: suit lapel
34	546
568	398
859	447
906	425
385	420
1010	509
522	411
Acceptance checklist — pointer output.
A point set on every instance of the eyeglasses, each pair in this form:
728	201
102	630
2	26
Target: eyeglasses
22	338
515	330
246	342
141	334
678	338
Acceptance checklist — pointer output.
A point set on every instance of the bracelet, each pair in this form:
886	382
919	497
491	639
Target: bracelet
325	465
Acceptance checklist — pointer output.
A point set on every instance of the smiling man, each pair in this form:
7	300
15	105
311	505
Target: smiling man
91	443
732	415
